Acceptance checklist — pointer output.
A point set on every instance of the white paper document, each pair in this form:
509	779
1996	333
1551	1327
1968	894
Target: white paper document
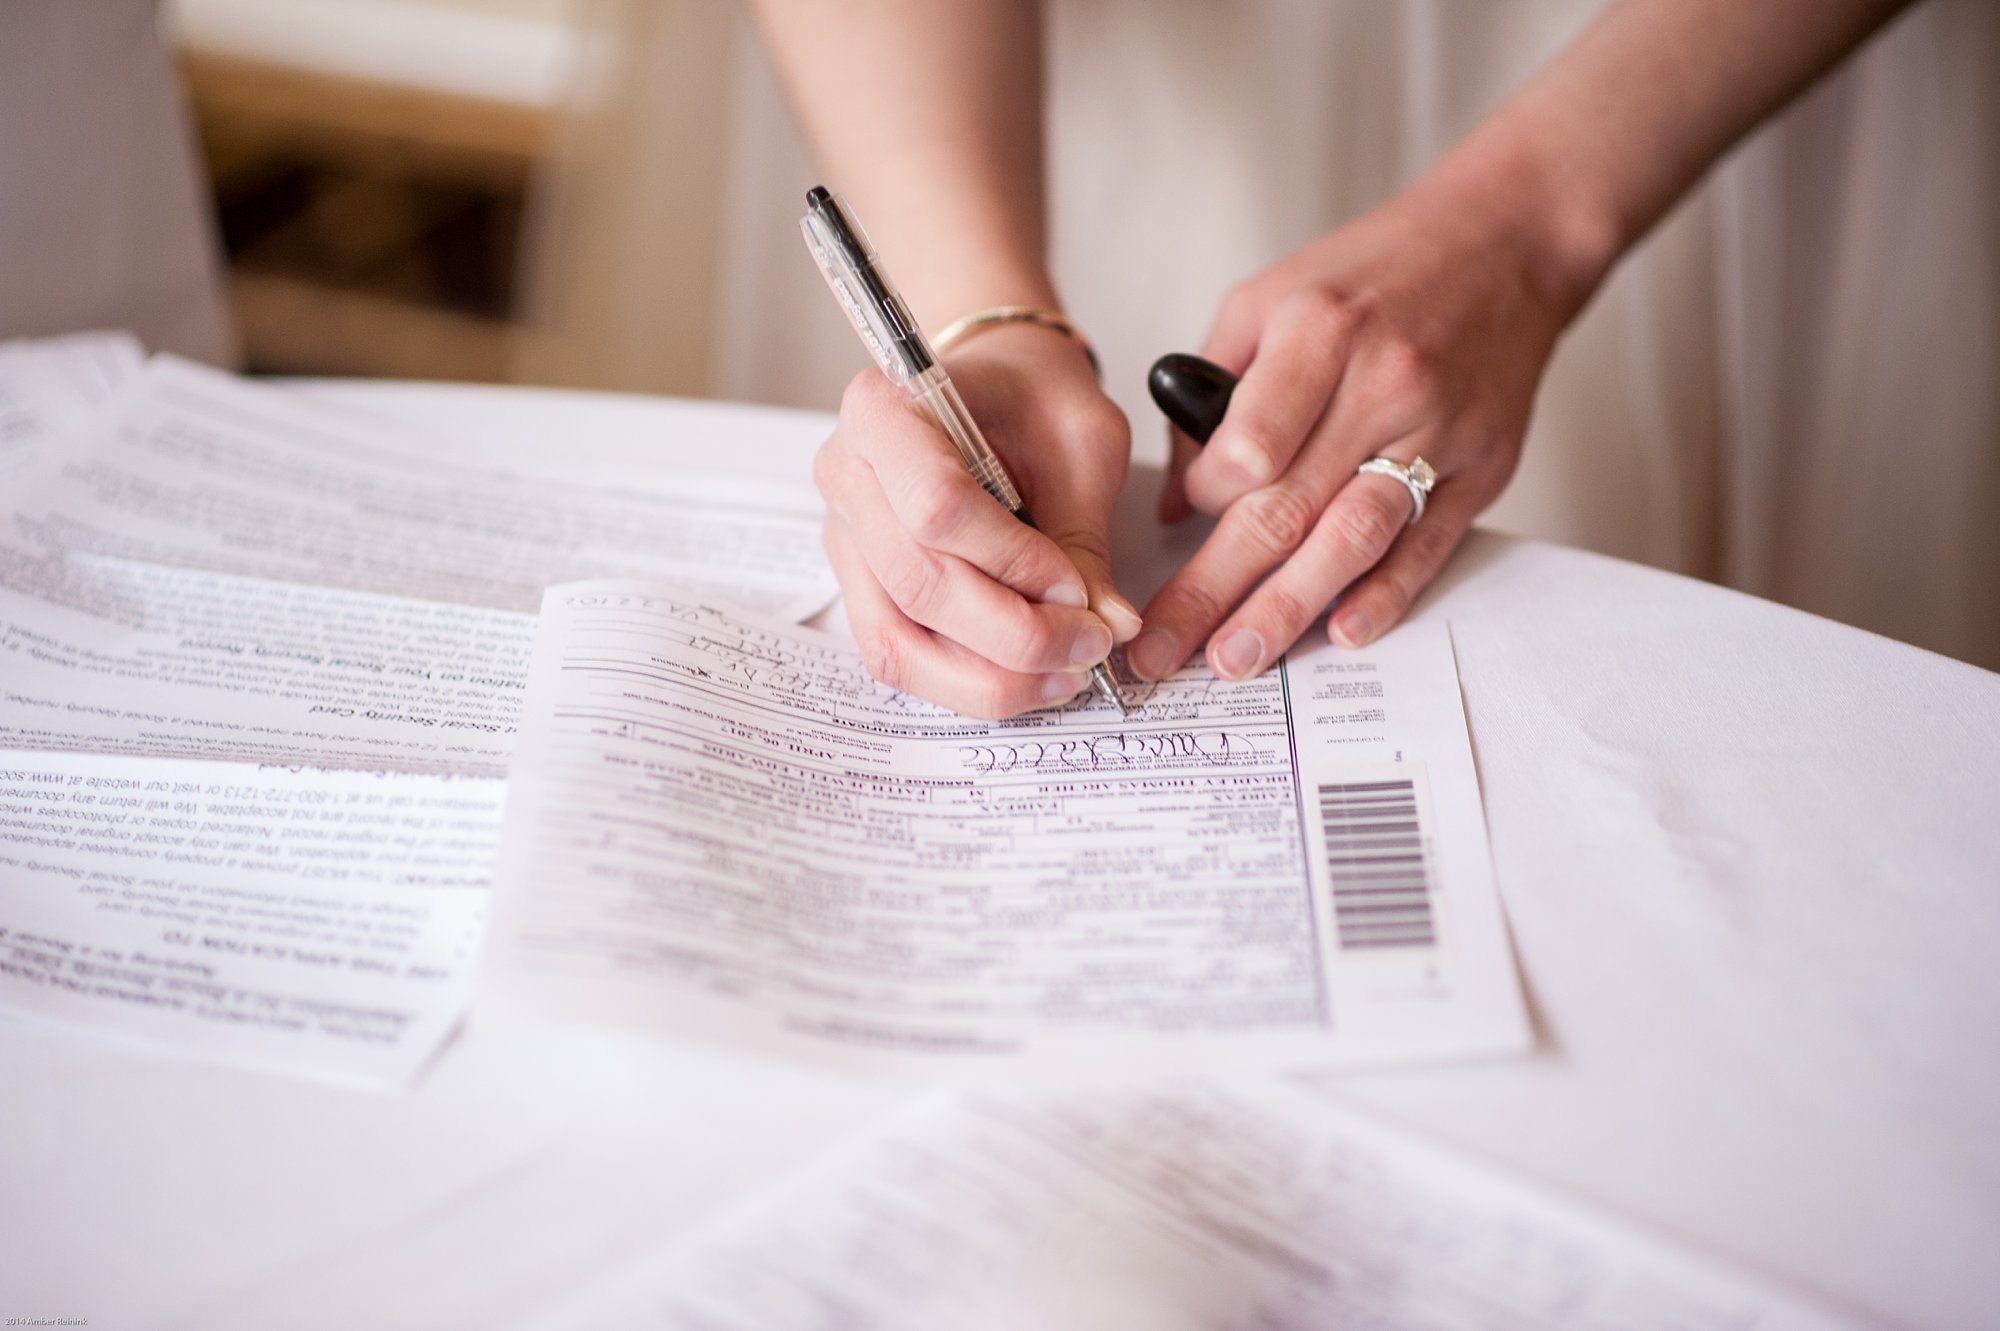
213	631
318	922
253	738
195	469
188	664
50	385
721	827
1196	1208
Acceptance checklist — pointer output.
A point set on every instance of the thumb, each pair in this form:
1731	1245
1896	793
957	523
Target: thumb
1081	527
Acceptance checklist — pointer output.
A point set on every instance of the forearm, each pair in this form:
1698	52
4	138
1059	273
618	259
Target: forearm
1604	140
927	114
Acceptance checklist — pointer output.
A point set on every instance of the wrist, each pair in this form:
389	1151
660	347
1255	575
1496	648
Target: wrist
951	254
1566	235
945	287
1026	342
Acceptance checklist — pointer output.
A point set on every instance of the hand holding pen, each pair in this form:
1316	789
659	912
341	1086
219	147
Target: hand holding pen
952	597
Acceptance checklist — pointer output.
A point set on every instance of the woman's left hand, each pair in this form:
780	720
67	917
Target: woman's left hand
1420	330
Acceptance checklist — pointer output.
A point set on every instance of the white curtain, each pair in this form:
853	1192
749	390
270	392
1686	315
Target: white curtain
1790	387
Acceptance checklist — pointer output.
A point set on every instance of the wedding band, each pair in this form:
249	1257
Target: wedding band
1417	478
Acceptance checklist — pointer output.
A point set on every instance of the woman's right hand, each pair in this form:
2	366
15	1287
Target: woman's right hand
950	597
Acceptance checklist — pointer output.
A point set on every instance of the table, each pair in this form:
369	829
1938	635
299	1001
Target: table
1751	862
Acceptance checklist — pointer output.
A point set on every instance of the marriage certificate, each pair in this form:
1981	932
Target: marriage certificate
721	827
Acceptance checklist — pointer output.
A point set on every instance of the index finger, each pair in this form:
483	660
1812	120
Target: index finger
1300	362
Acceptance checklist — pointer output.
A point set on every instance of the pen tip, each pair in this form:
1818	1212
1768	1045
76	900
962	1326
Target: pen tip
1107	688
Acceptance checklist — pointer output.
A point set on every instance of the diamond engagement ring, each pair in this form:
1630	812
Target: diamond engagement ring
1417	478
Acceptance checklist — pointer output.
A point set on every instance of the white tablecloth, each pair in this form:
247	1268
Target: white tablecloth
1751	860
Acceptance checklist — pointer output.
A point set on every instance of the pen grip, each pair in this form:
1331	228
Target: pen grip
994	479
940	396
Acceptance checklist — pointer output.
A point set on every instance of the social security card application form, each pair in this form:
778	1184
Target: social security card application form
721	827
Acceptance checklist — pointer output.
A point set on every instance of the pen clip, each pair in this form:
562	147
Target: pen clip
857	281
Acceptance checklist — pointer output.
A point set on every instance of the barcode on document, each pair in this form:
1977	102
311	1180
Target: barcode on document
1375	859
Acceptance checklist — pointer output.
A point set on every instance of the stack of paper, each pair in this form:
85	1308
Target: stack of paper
261	669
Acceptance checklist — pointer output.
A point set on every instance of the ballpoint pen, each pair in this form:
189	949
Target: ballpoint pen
854	273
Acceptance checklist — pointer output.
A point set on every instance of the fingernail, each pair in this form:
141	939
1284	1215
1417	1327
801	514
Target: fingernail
1091	646
1066	593
1353	629
1238	655
1117	612
1061	687
1152	654
1248	459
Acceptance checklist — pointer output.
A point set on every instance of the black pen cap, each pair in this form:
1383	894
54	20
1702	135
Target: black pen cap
1192	392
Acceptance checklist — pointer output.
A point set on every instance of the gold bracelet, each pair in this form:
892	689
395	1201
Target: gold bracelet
959	329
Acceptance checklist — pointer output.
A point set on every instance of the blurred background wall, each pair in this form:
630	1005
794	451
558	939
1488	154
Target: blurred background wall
543	191
373	163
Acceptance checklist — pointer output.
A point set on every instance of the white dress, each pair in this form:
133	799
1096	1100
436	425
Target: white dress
1790	386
